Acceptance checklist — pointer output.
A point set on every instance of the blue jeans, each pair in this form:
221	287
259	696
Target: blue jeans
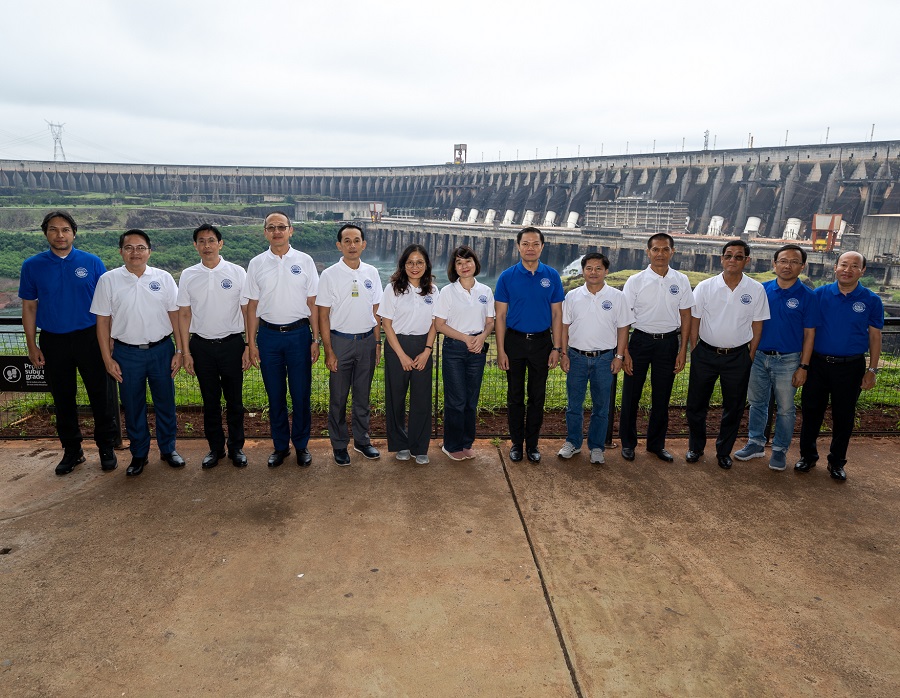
581	370
286	355
768	373
462	371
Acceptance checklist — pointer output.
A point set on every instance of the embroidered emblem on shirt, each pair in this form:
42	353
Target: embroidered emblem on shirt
429	300
81	272
792	303
155	286
368	284
545	283
482	300
226	284
606	305
746	299
859	307
295	269
673	289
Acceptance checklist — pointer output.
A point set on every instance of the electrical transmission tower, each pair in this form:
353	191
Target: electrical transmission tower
56	131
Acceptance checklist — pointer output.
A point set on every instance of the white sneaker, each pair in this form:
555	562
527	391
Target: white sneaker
422	459
568	450
597	456
403	455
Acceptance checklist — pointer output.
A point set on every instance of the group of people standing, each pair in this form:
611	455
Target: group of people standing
134	325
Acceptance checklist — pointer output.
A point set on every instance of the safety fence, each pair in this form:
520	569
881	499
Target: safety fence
17	405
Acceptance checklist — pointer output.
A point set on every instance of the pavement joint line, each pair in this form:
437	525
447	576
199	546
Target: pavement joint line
537	564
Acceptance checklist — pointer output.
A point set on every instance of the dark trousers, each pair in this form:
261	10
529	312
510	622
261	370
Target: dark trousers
217	365
285	356
356	366
842	383
526	356
414	436
658	356
66	355
463	372
733	372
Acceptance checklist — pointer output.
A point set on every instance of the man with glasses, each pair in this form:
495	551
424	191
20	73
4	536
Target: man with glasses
212	313
726	324
528	302
282	283
782	357
852	320
56	288
136	316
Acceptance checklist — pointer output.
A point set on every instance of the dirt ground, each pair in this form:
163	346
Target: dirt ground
480	578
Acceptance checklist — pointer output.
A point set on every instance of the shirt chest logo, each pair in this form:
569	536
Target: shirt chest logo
859	307
155	286
746	299
428	300
368	284
226	284
792	303
81	273
606	305
295	269
482	299
545	283
673	289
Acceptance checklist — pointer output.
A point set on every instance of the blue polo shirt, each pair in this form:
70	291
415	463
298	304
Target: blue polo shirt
792	310
844	329
63	288
529	296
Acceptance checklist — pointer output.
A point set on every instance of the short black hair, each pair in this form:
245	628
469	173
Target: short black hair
529	229
661	236
737	243
461	252
594	255
792	246
340	233
59	214
134	231
278	213
207	227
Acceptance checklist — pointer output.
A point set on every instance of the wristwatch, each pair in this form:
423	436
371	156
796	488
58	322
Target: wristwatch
805	367
559	349
620	357
873	371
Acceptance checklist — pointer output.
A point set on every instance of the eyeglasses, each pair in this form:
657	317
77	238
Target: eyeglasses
135	248
279	228
735	257
791	262
420	263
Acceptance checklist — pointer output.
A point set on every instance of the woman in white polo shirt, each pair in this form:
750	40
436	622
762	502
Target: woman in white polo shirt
406	317
464	314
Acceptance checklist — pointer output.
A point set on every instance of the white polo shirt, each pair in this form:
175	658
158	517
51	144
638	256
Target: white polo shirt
726	316
138	305
214	297
465	311
656	301
410	313
353	314
594	318
282	285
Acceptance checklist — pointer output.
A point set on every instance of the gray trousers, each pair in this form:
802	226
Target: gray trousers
356	366
417	435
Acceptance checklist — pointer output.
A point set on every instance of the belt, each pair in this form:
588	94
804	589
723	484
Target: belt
658	335
284	328
838	359
347	335
724	350
529	335
774	352
591	354
149	345
220	340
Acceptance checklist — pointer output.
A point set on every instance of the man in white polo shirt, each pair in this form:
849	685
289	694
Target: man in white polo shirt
727	320
349	295
212	312
281	290
136	316
595	330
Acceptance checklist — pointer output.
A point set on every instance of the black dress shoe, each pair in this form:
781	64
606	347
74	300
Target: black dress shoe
693	456
369	451
837	472
238	458
663	455
724	462
173	459
211	459
627	453
277	458
69	461
304	457
533	454
515	453
804	465
137	466
108	460
341	457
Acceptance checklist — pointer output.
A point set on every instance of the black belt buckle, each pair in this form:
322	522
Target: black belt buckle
143	346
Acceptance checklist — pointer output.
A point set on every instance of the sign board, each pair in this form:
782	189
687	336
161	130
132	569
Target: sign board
18	375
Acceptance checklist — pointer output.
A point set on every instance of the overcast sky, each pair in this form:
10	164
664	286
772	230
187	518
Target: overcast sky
359	83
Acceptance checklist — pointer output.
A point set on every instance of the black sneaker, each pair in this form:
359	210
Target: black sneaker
369	451
108	460
69	461
341	457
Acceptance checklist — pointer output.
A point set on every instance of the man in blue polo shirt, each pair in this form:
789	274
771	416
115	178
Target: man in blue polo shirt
56	288
782	358
852	318
528	328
